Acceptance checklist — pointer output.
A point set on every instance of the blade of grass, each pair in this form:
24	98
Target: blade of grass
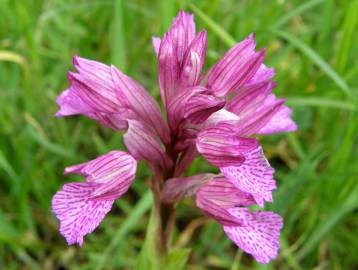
136	214
349	29
317	60
119	48
167	12
300	9
321	102
217	29
6	166
328	223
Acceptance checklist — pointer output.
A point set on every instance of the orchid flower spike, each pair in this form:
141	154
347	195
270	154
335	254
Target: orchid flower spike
215	114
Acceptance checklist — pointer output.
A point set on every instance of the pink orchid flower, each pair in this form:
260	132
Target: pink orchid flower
214	114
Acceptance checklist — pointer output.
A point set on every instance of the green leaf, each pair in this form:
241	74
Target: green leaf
177	259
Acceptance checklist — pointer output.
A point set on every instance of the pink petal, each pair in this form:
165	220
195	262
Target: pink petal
222	116
173	47
144	145
201	107
253	121
249	98
92	94
168	69
224	193
254	176
115	170
134	96
186	158
280	122
156	44
260	112
176	189
223	147
194	60
259	237
216	211
78	213
194	104
182	32
71	104
235	68
263	74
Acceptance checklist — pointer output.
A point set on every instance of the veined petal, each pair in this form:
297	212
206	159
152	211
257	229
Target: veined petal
144	145
171	55
216	211
259	237
254	176
114	170
220	117
186	158
176	189
134	96
156	44
249	98
253	121
78	213
194	104
80	207
182	32
71	104
168	69
194	60
222	147
235	68
280	122
200	107
263	74
221	191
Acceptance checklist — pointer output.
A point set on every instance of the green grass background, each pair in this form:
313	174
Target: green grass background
311	44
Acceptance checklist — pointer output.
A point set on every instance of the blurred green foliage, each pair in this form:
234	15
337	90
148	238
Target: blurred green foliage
311	44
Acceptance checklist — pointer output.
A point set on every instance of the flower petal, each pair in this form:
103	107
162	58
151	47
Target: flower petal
200	107
156	44
168	69
143	145
171	54
224	193
249	98
176	189
194	104
263	74
114	170
194	60
235	68
216	211
182	32
260	237
134	96
186	158
280	122
79	214
222	147
254	176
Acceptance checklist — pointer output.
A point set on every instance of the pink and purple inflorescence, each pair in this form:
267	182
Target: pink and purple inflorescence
214	114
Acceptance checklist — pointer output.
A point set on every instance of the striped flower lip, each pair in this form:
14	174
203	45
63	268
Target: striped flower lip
215	113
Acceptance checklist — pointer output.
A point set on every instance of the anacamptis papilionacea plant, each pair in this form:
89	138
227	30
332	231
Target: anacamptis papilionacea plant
215	114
